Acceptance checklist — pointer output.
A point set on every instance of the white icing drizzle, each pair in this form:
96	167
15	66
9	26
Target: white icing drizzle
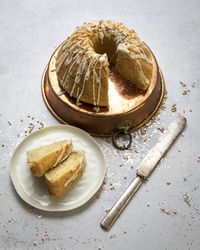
93	83
138	54
68	42
80	69
77	91
61	92
87	74
142	73
85	78
105	30
123	48
99	78
101	35
61	155
68	69
75	174
67	57
96	109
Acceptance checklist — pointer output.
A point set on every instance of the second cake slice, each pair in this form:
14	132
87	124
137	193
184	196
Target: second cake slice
65	174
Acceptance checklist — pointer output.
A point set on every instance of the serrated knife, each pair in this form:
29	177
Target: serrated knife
144	169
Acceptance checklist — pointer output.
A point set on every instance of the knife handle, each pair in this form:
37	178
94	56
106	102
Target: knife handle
121	203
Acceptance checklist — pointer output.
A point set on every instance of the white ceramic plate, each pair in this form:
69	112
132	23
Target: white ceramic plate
34	190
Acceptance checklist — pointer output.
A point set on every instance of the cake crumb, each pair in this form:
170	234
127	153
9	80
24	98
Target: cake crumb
186	199
168	183
173	108
136	151
175	211
161	129
108	140
121	164
193	84
143	131
164	211
112	236
182	84
185	92
125	157
148	204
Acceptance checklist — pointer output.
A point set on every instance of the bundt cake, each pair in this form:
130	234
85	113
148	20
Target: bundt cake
65	174
45	157
84	59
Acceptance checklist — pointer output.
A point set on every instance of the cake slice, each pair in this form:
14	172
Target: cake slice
65	174
45	157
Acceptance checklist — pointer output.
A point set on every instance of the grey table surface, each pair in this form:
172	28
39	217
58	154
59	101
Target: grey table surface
165	212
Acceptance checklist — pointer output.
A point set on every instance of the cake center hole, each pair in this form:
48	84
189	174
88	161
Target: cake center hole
107	46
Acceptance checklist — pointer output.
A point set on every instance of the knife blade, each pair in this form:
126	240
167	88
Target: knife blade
144	169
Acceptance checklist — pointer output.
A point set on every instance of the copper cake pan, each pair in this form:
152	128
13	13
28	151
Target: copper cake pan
129	107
